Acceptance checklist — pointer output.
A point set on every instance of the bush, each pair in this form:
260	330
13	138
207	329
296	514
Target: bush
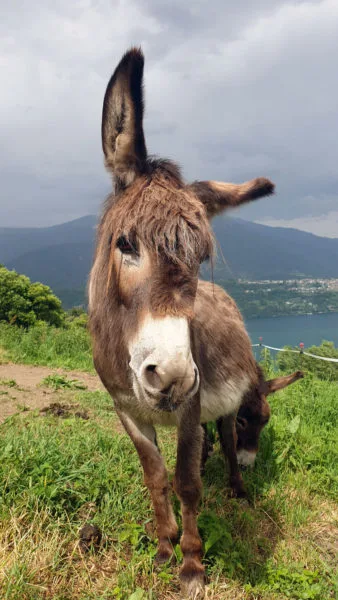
323	370
25	303
76	317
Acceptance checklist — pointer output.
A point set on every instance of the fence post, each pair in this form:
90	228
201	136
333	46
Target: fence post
301	355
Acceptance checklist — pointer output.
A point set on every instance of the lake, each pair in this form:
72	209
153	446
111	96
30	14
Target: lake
285	331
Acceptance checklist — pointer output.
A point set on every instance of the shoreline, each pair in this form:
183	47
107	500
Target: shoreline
290	315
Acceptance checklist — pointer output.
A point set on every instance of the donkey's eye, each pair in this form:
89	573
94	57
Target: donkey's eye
242	423
204	258
125	246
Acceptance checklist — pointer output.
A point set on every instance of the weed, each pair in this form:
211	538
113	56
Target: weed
57	382
296	582
22	407
11	383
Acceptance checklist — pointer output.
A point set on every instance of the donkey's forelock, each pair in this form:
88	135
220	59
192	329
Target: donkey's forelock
159	211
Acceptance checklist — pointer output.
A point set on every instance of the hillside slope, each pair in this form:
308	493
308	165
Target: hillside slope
254	251
61	256
16	242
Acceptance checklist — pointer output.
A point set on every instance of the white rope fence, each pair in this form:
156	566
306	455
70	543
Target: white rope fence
301	351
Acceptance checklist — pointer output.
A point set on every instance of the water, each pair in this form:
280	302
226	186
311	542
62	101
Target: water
290	331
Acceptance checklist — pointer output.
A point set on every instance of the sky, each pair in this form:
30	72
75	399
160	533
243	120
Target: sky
233	90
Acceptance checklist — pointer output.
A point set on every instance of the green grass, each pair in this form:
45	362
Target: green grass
60	382
57	474
8	383
47	345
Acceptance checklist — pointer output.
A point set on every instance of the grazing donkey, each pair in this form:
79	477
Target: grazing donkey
160	344
240	446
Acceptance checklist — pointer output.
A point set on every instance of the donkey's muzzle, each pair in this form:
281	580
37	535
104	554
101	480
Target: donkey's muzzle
170	380
161	360
246	458
171	398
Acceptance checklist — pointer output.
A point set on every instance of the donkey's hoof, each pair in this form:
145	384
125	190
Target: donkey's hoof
237	488
239	493
164	556
193	586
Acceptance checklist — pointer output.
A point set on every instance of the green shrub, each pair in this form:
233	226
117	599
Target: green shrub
289	361
76	317
24	303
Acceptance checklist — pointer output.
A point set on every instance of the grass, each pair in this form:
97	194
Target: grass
8	383
60	382
47	345
57	474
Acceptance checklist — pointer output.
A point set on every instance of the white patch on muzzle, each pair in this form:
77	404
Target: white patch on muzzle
246	458
163	343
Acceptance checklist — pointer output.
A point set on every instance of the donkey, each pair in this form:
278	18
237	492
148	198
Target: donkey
240	446
159	345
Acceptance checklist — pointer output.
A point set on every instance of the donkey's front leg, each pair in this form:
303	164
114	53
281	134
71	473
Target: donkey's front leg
188	487
228	437
143	437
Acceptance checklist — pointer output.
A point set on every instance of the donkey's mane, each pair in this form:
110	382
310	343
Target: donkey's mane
163	214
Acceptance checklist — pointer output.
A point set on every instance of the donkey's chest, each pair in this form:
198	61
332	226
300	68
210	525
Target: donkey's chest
223	400
215	402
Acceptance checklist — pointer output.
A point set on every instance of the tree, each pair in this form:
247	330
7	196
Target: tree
23	303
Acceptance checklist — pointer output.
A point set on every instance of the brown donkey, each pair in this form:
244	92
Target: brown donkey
160	345
240	440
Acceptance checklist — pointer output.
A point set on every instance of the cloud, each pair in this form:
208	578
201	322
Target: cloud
233	90
325	225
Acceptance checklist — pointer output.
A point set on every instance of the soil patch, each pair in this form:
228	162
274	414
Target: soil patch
64	411
20	387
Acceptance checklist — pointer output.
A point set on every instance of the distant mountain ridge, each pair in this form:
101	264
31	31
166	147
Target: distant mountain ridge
16	242
61	256
255	251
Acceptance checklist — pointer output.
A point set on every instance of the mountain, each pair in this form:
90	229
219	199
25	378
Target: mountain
254	251
60	266
61	256
15	242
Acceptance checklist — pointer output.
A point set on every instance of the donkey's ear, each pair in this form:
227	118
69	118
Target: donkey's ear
218	196
273	385
122	131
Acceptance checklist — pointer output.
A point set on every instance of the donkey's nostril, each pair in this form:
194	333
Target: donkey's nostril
151	377
158	379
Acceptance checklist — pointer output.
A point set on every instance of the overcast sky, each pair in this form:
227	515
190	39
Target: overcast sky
234	90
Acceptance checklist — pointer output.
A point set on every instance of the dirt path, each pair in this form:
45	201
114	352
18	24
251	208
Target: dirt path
19	387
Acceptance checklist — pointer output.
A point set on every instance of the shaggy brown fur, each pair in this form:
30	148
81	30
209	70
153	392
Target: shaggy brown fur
215	195
152	237
165	216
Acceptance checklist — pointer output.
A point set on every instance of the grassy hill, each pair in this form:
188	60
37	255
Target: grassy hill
59	472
